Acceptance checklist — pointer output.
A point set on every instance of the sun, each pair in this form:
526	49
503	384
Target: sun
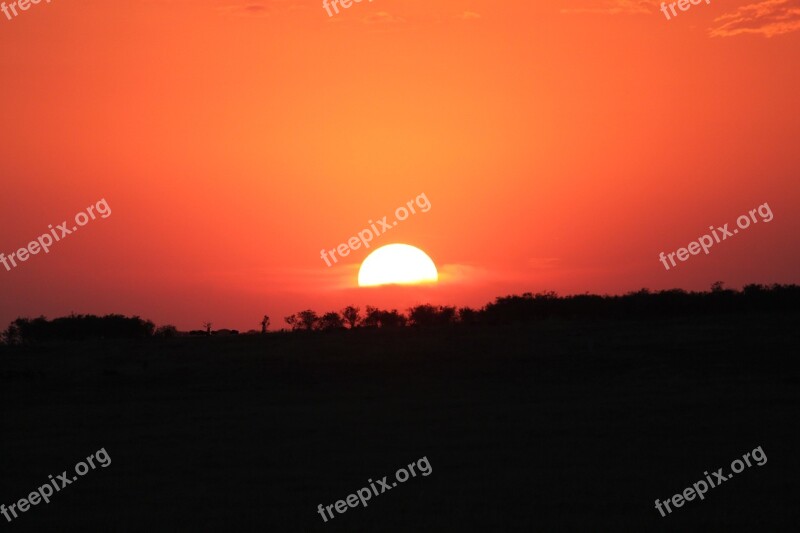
397	264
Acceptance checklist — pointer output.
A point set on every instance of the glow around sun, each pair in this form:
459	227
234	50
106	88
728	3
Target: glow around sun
397	264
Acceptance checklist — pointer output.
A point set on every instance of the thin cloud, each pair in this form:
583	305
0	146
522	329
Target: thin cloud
254	8
382	17
469	15
614	7
249	9
543	263
768	18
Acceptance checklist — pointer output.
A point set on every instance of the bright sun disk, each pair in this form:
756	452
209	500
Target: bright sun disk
397	264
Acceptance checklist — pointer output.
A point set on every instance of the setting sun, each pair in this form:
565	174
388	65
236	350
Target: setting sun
397	264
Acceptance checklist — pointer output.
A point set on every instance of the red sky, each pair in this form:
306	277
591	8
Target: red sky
562	146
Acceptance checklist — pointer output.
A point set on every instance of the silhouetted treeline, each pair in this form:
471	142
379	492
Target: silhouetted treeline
78	327
504	310
548	305
642	304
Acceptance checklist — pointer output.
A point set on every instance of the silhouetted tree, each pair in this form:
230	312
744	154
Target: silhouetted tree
509	309
467	315
446	315
207	327
351	315
11	335
304	320
422	315
378	318
264	324
755	289
308	319
429	315
330	321
372	317
392	319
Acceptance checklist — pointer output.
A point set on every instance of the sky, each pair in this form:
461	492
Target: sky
562	147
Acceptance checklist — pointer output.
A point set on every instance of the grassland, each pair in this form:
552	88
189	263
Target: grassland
550	426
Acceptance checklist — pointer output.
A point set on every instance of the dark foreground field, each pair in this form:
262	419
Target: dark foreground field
559	426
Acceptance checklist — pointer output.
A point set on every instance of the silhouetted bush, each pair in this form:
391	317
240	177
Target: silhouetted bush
167	331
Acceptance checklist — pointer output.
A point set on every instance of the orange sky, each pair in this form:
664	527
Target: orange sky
562	146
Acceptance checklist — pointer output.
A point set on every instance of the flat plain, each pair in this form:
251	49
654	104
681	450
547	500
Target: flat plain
554	425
